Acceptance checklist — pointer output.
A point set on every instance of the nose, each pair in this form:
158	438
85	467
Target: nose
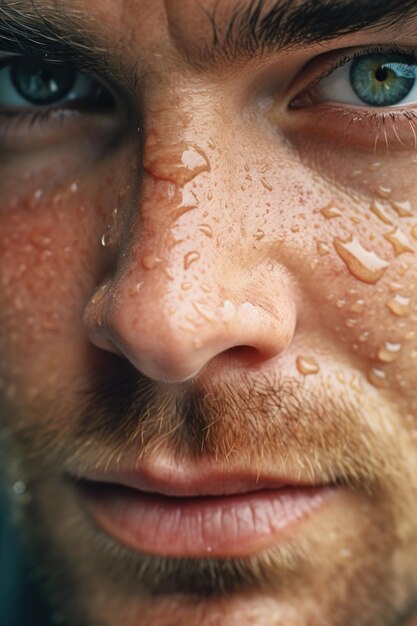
192	291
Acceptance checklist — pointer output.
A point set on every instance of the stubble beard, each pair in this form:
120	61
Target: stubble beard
90	580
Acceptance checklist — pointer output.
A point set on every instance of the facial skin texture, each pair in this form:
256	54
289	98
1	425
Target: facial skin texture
171	329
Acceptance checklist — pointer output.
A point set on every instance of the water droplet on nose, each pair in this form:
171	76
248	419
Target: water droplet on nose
179	163
186	286
384	192
259	234
399	305
133	291
399	241
389	352
351	323
363	337
365	265
265	182
323	248
357	307
378	209
191	258
307	366
330	212
377	377
404	209
206	229
228	311
150	261
204	311
206	288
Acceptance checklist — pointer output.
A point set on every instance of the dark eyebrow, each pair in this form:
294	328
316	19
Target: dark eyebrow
58	36
263	26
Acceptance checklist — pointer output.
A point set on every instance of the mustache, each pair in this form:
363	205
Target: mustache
261	420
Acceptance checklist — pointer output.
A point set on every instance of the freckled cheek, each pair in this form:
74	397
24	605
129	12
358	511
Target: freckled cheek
50	262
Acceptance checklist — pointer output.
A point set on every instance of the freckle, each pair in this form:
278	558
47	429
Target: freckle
190	258
295	229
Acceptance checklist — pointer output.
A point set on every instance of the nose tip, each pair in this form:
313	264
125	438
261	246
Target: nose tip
174	344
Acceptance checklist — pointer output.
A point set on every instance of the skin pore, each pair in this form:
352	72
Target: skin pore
211	263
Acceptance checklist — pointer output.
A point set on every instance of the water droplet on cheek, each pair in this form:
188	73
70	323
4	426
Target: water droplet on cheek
307	366
330	212
206	229
365	265
191	258
378	209
384	192
403	209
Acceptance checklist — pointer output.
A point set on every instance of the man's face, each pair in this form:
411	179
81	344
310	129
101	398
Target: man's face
208	342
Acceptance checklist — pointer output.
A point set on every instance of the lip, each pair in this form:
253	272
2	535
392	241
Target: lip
193	514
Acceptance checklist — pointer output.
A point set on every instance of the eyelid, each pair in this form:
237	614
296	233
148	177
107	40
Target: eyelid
337	58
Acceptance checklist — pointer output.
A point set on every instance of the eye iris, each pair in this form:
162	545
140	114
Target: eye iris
382	79
41	83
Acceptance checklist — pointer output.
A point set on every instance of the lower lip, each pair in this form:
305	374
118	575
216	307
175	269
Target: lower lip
223	527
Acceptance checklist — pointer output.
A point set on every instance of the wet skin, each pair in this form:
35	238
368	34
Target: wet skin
230	235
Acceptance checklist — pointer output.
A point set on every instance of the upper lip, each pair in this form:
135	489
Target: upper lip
192	480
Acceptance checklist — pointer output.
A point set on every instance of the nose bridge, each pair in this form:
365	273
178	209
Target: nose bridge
187	294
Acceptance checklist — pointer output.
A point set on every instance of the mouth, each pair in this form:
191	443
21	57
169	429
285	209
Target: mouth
186	514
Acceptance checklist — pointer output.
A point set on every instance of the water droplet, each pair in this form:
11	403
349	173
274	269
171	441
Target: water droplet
323	248
206	288
186	286
133	291
389	352
399	241
209	549
19	488
365	265
340	303
330	212
351	323
404	209
307	366
177	163
228	311
377	377
190	258
106	240
414	231
266	184
357	307
197	343
384	192
150	261
204	311
380	211
206	229
259	234
399	305
74	187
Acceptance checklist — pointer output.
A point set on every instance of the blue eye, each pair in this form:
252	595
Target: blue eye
26	82
377	80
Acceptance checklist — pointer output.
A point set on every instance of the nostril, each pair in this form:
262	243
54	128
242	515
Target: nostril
246	356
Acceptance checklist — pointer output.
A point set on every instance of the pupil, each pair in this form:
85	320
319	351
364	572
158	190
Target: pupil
381	74
40	83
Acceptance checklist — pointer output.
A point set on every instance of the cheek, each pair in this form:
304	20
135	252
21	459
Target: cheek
51	257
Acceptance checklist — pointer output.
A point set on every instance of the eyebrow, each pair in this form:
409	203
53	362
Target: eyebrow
262	26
